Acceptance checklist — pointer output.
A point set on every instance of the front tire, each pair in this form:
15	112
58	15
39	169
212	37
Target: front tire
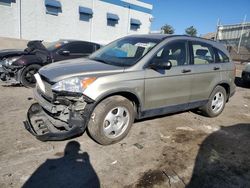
111	120
27	78
216	103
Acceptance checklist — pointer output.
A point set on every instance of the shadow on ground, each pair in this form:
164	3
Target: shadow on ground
223	159
12	85
72	170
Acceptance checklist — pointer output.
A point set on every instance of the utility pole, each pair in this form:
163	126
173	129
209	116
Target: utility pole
91	23
242	30
20	19
217	28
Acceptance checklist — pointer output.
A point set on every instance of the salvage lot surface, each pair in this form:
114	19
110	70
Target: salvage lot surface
178	150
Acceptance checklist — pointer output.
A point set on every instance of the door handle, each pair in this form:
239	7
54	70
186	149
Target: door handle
216	68
186	70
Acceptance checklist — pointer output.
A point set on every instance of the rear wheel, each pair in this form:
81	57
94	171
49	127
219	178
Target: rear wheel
216	102
27	76
111	120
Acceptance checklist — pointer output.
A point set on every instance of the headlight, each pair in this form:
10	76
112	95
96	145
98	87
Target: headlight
9	61
76	84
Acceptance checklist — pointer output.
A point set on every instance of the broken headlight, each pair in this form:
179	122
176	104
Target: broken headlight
76	84
8	61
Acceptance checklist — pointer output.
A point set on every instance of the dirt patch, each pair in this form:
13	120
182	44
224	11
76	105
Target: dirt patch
59	154
151	178
183	136
247	97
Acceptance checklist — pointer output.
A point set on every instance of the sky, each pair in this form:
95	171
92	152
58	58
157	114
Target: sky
202	14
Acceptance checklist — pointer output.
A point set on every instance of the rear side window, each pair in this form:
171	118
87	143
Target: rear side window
202	53
80	48
221	57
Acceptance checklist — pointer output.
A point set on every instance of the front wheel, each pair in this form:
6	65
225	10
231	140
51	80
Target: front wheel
111	120
216	103
27	76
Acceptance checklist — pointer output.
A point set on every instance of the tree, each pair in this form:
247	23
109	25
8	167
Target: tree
167	29
192	31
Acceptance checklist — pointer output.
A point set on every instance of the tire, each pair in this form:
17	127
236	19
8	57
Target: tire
27	78
216	103
111	120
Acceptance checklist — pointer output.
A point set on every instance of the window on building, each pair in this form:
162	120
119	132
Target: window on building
112	19
53	7
135	24
6	2
202	54
85	14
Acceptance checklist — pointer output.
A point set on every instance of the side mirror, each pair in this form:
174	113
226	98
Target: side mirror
64	52
162	65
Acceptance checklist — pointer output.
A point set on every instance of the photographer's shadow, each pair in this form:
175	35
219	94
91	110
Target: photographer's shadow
72	170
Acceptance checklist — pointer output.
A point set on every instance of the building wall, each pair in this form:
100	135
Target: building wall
36	24
9	20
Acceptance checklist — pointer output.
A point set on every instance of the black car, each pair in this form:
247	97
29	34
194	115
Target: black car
20	66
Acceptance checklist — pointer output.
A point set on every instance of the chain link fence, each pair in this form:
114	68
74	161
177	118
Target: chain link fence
237	39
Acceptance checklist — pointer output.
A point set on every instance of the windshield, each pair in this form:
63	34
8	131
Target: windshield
54	45
124	52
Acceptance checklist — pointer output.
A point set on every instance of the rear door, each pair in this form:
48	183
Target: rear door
169	88
206	73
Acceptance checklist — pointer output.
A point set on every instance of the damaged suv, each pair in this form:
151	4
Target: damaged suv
134	77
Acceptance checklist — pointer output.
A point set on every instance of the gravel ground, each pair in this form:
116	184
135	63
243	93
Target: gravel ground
180	150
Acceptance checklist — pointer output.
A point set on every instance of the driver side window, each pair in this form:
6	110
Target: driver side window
175	52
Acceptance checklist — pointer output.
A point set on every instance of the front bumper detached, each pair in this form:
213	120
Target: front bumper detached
46	128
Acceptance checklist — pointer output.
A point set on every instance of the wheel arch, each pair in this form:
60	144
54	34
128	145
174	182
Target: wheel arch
126	94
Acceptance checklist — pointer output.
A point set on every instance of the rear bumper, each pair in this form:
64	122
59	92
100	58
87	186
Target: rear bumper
245	76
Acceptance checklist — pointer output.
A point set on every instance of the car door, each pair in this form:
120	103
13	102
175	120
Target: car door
206	73
169	89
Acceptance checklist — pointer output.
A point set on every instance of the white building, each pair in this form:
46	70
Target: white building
92	20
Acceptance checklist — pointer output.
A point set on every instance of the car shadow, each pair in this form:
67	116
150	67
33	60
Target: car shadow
223	159
239	83
12	85
159	116
72	170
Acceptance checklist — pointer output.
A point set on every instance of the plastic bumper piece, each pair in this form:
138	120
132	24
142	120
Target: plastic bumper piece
46	128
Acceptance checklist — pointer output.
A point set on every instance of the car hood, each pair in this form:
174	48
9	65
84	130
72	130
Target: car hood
10	52
55	72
